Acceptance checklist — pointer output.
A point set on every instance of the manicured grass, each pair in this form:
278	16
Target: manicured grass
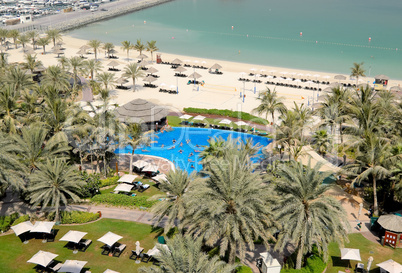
15	254
367	249
151	191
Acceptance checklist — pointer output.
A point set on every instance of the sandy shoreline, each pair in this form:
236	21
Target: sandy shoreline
219	91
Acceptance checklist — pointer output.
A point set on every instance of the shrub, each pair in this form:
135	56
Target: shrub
78	217
314	264
7	221
227	113
244	269
21	219
121	200
92	185
109	181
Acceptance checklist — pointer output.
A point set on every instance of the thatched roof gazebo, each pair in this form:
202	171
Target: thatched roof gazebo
141	111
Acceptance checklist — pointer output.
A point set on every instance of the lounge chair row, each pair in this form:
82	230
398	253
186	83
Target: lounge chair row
193	82
115	250
180	75
222	127
167	91
122	87
150	85
114	69
112	57
153	75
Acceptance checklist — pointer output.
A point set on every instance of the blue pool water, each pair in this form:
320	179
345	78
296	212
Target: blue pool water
197	136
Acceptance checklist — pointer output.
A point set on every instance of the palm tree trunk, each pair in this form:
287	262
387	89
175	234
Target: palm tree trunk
375	196
340	132
105	164
232	254
134	84
131	162
57	215
300	254
97	164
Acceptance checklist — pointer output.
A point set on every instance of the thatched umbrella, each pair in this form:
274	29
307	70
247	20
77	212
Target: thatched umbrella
391	222
85	47
81	52
113	64
121	81
140	111
195	75
142	56
152	70
381	77
180	69
58	52
216	67
177	61
149	79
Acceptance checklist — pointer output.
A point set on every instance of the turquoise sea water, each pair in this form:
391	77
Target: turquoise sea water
267	32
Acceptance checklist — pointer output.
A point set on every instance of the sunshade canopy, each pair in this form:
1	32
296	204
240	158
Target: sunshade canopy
110	238
149	79
72	266
150	168
127	178
140	111
122	81
180	69
391	222
140	164
22	227
45	227
155	251
185	116
160	177
81	51
113	63
152	70
177	61
199	117
123	187
225	121
73	236
381	77
339	77
216	66
58	51
110	271
195	75
85	47
42	258
350	254
391	266
142	56
240	123
395	89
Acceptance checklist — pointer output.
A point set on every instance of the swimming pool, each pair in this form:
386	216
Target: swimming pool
163	145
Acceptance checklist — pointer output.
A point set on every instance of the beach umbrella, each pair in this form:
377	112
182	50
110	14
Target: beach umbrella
121	81
123	187
185	116
172	86
269	77
142	63
300	74
350	254
292	73
240	123
109	238
60	43
57	47
142	56
73	236
42	258
150	168
391	222
216	67
326	77
195	75
369	262
91	114
395	89
152	70
316	75
162	84
110	271
391	266
160	177
113	63
242	74
140	164
72	266
127	178
81	52
22	227
339	77
155	251
381	77
40	68
297	80
43	227
284	72
199	117
58	52
180	69
225	121
253	69
309	82
149	79
85	47
177	61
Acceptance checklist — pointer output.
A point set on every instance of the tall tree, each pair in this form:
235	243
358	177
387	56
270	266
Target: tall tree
17	77
321	141
288	133
33	35
8	109
3	35
139	46
269	104
107	79
77	66
53	184
14	34
127	46
308	216
95	44
108	47
23	40
357	71
215	149
93	66
54	35
56	78
151	47
31	62
43	42
133	71
184	254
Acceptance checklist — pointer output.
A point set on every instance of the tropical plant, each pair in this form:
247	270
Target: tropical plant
33	35
8	109
107	79
269	104
95	45
357	71
43	42
77	65
23	40
230	206
3	35
139	46
184	254
93	66
108	47
64	63
17	77
151	47
56	78
14	34
133	71
173	205
309	217
127	46
54	35
288	133
31	62
53	184
321	141
215	149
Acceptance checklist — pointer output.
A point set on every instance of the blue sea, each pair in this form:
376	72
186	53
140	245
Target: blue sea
321	35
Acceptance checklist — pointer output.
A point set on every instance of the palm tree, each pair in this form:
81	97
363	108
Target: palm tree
139	46
18	78
56	78
106	78
43	42
127	46
151	47
230	206
23	40
36	146
95	44
133	71
321	141
269	104
14	34
11	170
31	62
53	184
8	109
357	71
176	187
64	63
184	254
308	216
3	35
54	35
93	66
77	65
32	35
288	133
215	149
108	47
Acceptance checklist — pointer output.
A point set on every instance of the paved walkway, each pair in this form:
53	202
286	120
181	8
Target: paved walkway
86	90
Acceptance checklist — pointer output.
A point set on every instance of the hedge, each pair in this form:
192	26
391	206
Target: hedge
7	221
244	269
21	219
109	181
122	200
227	113
314	264
77	217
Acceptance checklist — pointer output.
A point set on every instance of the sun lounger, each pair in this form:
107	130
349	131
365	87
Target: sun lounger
148	256
84	244
118	250
106	250
55	267
134	255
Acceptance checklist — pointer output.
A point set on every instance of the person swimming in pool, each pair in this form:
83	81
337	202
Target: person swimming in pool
181	151
187	141
189	160
174	140
197	151
171	148
163	145
145	151
192	166
181	144
191	154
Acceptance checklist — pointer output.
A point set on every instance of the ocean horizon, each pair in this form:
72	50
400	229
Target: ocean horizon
319	35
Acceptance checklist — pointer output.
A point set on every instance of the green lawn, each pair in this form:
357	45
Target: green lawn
367	249
151	191
14	253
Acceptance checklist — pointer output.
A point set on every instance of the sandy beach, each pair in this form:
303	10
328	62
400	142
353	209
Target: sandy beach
219	91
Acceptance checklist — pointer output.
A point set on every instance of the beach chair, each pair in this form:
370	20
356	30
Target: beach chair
118	250
135	255
106	250
84	244
55	266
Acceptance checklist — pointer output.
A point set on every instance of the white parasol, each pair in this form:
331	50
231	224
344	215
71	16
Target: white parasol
42	258
109	238
73	236
127	178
